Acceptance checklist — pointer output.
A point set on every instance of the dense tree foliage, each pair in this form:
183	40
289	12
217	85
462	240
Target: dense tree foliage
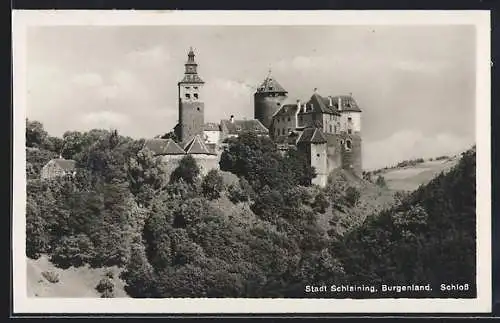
266	234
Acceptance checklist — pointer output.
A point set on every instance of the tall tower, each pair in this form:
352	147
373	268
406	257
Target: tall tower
191	106
268	99
350	133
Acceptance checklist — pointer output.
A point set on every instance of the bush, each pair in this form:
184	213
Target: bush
352	196
241	192
381	181
51	276
187	170
105	284
109	274
73	251
212	185
108	294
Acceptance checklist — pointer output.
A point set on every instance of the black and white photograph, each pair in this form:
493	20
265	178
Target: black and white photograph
251	162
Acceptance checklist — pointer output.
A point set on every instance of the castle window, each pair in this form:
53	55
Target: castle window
300	118
349	131
188	87
198	108
289	130
288	118
317	155
349	119
188	96
196	88
283	131
195	95
331	130
348	145
278	104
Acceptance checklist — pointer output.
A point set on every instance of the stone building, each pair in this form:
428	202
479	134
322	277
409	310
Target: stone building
190	101
327	129
58	167
171	153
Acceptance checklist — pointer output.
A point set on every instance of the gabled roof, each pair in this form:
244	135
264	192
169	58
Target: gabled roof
163	147
66	164
312	135
270	85
347	103
319	104
237	126
289	139
286	110
197	146
211	126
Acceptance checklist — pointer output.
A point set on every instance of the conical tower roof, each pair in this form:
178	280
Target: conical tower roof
270	85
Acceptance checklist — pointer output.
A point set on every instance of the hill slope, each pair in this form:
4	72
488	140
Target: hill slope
411	177
73	282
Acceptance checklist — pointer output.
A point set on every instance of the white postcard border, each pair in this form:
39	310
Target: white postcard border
481	19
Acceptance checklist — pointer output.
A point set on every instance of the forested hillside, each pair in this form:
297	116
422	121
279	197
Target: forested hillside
267	233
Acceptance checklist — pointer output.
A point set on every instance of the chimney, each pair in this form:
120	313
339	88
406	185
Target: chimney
298	104
232	119
340	104
330	101
315	90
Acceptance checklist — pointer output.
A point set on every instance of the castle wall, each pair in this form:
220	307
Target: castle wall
191	119
354	124
319	162
330	123
265	105
334	152
282	125
204	162
351	157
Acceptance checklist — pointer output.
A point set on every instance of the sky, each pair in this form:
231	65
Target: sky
416	85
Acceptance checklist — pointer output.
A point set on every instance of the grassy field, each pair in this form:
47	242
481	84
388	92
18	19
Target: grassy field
410	178
73	282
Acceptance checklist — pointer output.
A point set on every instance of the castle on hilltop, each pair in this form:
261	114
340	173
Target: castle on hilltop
327	129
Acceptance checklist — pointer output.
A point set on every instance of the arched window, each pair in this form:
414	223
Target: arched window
348	144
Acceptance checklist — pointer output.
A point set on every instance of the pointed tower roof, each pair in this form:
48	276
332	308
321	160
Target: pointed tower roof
196	146
191	70
270	85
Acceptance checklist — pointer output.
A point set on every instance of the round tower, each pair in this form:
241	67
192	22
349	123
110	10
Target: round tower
350	134
268	99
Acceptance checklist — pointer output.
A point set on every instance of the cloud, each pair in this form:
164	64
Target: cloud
87	79
224	97
105	119
151	57
409	144
302	62
420	66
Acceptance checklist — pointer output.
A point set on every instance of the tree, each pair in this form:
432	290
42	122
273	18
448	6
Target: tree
145	175
187	170
35	134
73	251
352	196
212	185
381	181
